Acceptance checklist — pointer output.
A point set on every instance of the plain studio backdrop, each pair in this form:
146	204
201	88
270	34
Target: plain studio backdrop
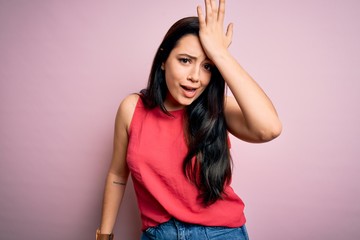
66	65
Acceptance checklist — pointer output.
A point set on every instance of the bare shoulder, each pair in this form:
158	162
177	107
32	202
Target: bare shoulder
126	110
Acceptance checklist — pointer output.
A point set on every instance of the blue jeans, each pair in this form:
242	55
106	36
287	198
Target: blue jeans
176	230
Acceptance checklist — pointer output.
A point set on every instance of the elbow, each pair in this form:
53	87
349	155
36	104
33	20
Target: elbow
270	132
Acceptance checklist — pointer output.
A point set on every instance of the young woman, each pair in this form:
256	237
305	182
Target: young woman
173	136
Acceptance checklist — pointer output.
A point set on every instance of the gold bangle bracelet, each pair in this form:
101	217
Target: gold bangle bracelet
100	236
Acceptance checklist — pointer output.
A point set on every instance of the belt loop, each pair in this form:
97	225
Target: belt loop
180	229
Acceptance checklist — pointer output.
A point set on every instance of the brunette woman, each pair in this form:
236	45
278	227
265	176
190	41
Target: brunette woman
173	136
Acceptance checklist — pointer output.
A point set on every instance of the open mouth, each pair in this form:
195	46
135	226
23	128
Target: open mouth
189	92
189	89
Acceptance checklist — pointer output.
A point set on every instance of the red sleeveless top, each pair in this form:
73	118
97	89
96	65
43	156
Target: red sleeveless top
155	156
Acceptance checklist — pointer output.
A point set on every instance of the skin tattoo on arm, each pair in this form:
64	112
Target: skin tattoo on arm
119	183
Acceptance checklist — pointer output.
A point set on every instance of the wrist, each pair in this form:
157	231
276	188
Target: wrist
220	56
103	236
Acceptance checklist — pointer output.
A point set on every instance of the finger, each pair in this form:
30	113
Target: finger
214	8
229	32
221	12
208	10
201	17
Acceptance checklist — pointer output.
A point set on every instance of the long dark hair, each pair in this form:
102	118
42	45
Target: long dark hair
205	125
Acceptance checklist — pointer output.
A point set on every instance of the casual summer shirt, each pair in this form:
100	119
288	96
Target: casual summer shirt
155	156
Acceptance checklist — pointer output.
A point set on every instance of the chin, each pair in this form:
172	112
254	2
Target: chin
187	102
181	102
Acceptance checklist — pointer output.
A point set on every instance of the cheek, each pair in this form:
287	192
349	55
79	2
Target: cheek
169	79
206	80
173	75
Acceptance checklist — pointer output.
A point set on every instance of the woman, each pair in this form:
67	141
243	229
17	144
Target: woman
173	136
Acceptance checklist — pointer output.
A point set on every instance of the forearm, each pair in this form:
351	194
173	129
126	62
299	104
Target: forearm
113	195
260	116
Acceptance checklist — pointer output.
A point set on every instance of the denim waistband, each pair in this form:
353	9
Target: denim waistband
177	230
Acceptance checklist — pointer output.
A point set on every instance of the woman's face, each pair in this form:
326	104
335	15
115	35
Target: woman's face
187	72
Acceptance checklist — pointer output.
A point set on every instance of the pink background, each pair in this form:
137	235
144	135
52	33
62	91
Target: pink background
66	65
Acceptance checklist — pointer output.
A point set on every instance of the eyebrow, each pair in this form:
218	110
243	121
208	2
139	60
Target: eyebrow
192	57
187	55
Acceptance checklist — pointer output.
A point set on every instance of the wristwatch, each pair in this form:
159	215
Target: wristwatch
101	236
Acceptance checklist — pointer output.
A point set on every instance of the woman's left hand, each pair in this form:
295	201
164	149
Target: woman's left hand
212	36
250	115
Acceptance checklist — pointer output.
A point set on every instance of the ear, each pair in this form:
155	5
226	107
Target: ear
163	66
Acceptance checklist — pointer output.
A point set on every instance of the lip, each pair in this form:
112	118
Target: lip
189	91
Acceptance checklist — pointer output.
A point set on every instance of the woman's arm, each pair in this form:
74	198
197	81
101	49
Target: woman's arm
250	115
118	172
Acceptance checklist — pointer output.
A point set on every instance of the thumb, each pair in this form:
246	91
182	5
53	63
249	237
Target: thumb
229	34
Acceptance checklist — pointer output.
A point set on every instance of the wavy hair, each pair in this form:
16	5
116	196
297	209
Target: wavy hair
208	161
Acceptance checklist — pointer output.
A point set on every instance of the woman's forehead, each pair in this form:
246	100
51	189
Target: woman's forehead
190	45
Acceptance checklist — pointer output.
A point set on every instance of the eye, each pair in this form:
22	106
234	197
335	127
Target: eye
208	67
185	60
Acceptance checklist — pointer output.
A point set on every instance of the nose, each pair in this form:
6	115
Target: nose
194	75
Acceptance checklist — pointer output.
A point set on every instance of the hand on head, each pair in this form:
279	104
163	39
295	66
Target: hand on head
212	35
